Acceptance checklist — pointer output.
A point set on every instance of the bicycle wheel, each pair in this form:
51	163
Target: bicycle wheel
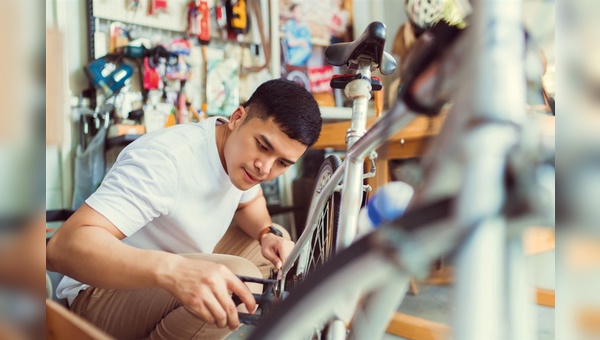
313	303
323	240
363	268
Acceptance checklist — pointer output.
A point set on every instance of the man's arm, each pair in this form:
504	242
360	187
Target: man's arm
88	248
252	217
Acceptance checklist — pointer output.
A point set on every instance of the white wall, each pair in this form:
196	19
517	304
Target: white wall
390	12
537	14
54	187
539	20
75	28
69	16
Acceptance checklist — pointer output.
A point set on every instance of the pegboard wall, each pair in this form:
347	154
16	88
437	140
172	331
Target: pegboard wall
173	18
154	34
166	25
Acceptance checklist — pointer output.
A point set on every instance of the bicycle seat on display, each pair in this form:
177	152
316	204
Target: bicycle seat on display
369	45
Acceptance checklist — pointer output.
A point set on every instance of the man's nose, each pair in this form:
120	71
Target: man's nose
264	166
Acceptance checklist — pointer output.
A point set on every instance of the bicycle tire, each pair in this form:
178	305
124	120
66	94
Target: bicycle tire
361	268
296	316
324	237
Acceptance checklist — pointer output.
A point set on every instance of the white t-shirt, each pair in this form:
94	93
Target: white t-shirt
168	191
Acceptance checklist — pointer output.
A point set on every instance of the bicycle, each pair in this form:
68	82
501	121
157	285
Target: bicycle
335	204
332	208
502	182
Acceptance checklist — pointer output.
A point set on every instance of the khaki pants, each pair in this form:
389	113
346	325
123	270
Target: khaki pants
152	313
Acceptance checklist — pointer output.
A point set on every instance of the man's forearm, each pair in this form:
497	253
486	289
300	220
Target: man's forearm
95	257
254	217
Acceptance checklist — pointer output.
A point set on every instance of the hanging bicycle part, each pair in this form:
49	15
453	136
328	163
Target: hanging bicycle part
107	76
264	41
238	21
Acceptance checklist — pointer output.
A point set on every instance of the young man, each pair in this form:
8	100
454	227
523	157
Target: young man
176	192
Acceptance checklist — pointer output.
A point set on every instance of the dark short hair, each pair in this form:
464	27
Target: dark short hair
290	105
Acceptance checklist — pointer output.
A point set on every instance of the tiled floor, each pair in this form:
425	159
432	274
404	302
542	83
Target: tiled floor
435	303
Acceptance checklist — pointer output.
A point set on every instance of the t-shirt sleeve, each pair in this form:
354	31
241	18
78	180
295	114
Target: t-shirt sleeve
250	194
141	185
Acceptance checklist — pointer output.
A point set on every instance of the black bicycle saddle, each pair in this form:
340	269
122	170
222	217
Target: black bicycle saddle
369	45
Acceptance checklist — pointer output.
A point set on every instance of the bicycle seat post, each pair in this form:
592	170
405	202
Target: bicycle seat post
363	55
359	91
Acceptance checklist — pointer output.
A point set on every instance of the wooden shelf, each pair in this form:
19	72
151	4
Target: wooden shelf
412	327
333	135
409	142
545	297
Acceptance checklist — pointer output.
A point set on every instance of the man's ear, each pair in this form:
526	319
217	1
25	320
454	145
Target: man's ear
237	117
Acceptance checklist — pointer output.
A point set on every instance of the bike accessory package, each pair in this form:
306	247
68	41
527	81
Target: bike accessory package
107	76
237	17
222	88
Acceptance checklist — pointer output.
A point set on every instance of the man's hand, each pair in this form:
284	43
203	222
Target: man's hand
275	248
203	287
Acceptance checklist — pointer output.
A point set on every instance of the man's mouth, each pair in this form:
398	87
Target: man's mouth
250	177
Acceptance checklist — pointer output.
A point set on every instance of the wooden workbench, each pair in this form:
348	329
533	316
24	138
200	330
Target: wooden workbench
409	142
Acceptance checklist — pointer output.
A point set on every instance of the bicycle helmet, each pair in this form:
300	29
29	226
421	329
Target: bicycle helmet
424	13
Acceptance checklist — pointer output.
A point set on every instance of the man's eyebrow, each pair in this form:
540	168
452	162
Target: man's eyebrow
270	146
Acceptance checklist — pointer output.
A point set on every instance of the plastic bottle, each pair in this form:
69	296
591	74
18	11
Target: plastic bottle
387	204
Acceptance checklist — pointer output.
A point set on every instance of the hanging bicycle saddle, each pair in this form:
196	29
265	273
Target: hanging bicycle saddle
369	45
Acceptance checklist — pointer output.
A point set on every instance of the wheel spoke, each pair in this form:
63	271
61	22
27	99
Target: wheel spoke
322	238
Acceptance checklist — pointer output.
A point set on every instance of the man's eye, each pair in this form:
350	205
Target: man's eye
262	147
284	164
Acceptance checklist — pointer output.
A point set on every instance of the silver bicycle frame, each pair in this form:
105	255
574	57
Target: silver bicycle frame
488	261
390	123
359	91
482	270
484	311
359	147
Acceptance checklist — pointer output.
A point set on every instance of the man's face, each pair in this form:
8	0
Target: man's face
257	151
